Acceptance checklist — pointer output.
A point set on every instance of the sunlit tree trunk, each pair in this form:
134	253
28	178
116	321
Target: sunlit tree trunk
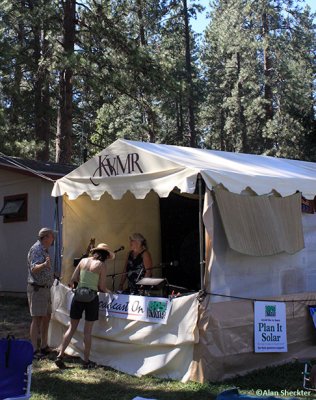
267	68
41	93
65	110
189	76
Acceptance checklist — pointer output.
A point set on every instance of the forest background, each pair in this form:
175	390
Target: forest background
77	75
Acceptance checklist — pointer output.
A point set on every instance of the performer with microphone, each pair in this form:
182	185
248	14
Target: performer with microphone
138	263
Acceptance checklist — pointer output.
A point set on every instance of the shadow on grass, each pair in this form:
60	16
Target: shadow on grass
50	383
14	317
279	379
105	383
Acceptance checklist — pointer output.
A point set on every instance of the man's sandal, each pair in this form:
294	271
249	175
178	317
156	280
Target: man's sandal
46	350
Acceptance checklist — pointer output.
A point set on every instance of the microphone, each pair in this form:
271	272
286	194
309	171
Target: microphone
170	264
119	249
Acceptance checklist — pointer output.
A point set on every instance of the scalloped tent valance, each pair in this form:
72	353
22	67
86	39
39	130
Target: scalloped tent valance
140	167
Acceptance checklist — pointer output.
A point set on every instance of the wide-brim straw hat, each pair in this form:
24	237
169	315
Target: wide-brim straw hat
104	247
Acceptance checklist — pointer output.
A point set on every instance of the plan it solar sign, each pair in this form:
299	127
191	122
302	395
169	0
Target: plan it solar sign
270	327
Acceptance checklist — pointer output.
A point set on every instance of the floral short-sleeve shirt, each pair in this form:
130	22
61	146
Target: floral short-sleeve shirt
37	255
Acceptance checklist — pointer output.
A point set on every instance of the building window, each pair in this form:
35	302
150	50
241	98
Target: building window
14	208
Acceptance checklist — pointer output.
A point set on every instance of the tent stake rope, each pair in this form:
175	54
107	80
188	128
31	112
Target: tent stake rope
203	294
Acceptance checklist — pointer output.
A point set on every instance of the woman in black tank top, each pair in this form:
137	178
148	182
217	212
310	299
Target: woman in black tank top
138	263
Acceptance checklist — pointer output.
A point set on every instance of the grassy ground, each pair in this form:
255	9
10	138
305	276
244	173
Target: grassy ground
14	317
50	383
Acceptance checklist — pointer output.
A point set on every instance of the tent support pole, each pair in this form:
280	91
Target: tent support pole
201	231
57	242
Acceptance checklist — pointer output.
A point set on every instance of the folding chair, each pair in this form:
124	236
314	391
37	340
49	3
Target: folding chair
309	373
16	357
309	376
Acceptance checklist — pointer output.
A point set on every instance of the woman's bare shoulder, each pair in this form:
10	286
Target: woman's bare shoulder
97	265
84	263
146	253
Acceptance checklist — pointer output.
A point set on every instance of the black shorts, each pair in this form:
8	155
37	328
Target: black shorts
91	309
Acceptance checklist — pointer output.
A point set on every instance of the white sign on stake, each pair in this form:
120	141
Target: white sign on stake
270	327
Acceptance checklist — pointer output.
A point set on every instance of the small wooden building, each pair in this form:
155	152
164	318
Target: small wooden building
26	205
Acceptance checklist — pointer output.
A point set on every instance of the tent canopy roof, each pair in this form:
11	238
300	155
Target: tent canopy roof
140	167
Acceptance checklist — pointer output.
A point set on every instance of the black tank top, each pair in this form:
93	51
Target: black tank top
135	270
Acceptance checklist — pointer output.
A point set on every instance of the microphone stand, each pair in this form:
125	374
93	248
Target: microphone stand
125	273
114	275
140	272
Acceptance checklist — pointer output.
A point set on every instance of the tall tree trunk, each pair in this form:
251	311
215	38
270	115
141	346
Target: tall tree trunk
15	100
149	116
267	68
222	130
142	34
180	122
41	97
189	76
241	115
64	118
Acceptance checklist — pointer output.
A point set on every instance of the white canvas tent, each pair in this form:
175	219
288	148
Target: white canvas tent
161	168
127	178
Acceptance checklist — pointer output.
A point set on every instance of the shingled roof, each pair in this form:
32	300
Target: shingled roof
35	168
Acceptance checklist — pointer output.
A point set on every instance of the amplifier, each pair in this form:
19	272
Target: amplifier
154	287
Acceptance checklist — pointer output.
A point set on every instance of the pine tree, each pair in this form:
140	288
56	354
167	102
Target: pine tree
252	77
25	79
65	106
